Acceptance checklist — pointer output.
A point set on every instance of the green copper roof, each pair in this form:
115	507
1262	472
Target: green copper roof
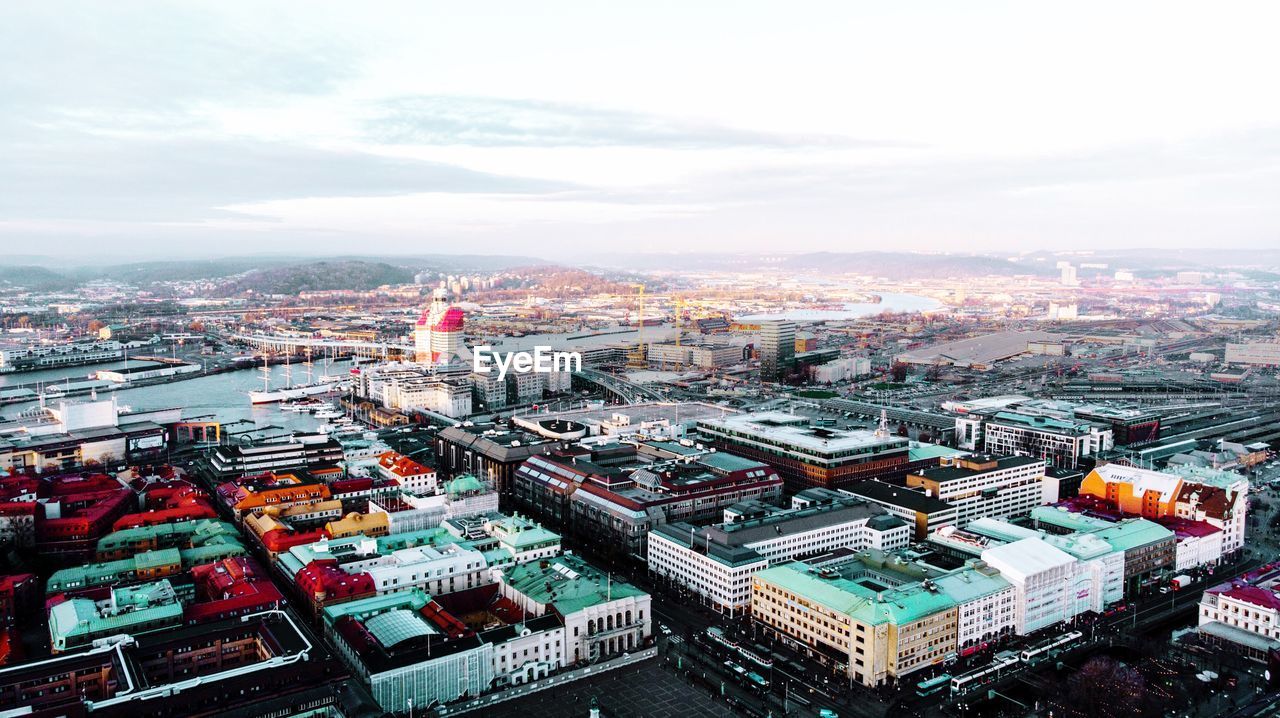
860	598
568	583
463	484
361	609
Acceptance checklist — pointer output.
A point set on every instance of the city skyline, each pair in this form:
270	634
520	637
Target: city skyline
574	128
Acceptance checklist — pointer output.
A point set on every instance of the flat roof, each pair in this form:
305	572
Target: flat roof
797	431
899	496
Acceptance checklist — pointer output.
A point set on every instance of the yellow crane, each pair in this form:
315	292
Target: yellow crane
638	358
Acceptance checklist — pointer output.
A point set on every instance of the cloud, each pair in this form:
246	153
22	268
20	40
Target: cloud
186	179
149	55
507	122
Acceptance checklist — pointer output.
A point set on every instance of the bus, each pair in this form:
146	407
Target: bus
1037	653
933	685
757	680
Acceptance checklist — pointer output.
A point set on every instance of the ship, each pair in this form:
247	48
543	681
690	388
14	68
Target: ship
270	396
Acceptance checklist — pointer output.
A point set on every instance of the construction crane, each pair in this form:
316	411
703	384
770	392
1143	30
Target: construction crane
638	358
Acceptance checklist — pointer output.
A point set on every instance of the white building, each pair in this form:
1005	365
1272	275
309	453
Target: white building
1244	615
1266	354
987	486
603	616
716	562
840	370
408	474
448	397
1043	579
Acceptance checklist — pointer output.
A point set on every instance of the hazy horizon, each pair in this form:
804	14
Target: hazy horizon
153	130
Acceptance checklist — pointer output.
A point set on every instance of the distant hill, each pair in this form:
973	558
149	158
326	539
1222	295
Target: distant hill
34	278
318	276
904	265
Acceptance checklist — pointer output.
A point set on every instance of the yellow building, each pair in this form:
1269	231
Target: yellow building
371	525
854	621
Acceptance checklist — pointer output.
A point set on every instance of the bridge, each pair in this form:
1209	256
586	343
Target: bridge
324	347
627	392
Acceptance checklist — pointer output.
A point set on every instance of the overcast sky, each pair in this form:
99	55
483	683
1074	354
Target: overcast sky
547	128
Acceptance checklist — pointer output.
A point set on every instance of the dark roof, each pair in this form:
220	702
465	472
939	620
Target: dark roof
954	472
899	496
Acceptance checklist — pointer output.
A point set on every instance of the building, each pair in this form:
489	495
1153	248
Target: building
1262	354
256	494
1191	493
1044	581
924	513
1119	558
18	593
983	485
612	495
981	353
446	397
1243	615
491	452
808	456
1197	544
1059	442
300	452
77	622
777	349
260	666
716	562
876	617
840	370
438	335
188	534
410	475
603	616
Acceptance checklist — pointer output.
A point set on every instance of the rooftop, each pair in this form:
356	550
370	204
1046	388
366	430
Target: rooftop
568	583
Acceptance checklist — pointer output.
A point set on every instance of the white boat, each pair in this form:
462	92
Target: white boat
328	414
269	396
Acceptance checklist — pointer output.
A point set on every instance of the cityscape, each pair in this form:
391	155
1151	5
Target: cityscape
588	362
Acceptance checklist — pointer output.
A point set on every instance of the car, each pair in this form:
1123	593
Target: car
828	713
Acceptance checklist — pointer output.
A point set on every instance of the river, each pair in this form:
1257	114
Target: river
224	396
889	302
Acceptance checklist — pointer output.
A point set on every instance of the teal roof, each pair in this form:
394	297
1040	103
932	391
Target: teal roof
1132	533
362	609
195	532
1205	475
463	484
969	584
568	583
853	597
149	607
1055	516
521	533
919	451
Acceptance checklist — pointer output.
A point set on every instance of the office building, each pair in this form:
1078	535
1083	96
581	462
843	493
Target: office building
777	349
612	495
808	456
717	562
982	485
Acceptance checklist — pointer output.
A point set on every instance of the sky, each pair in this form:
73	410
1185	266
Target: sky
554	129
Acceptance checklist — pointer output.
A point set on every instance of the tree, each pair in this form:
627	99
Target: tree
898	372
1106	687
